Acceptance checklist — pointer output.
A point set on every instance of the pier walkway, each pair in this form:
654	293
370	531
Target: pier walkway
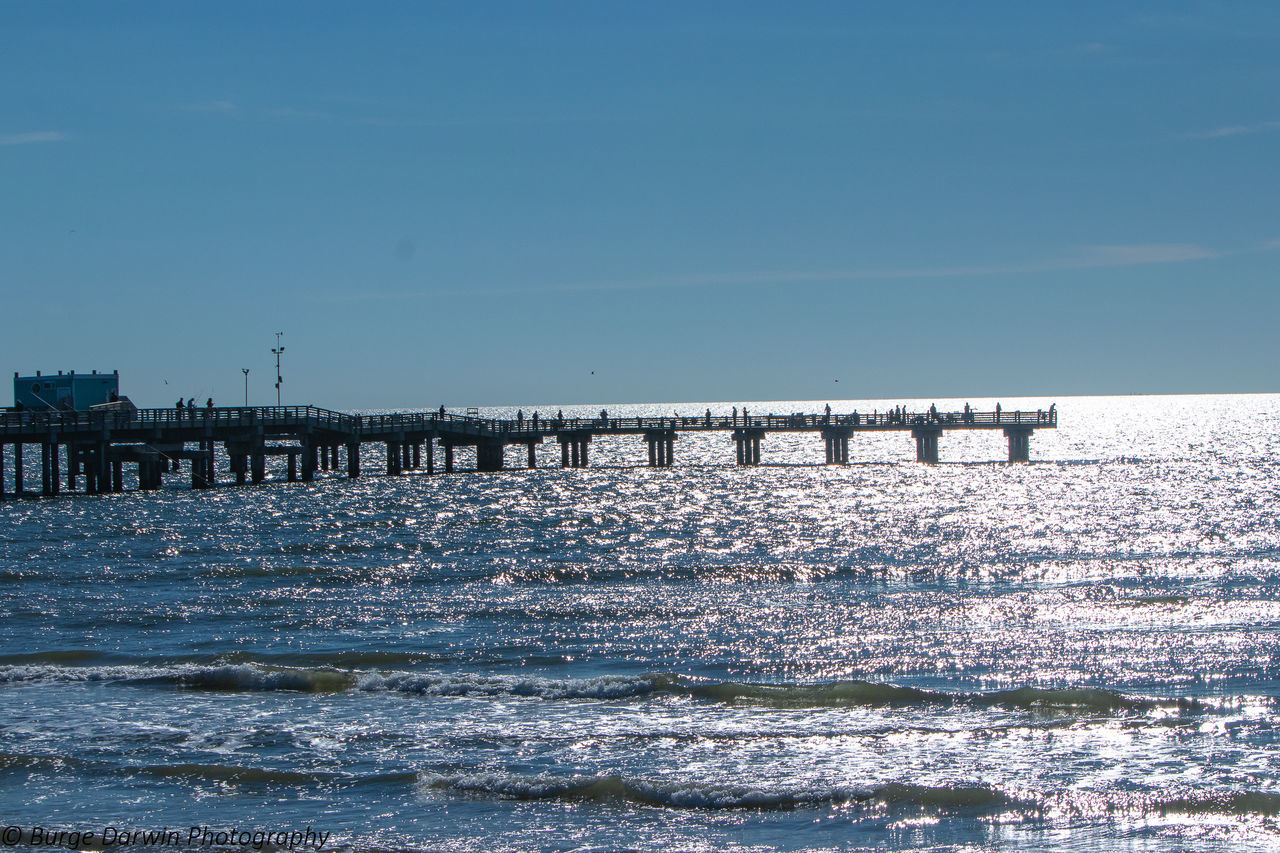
96	445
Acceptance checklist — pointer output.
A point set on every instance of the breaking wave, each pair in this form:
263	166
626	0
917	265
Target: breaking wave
835	694
705	795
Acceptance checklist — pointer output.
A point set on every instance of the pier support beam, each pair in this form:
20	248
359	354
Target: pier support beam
573	449
431	456
1	471
258	465
489	455
1019	443
661	443
533	457
748	445
48	468
353	460
926	444
394	459
448	458
17	470
308	461
837	445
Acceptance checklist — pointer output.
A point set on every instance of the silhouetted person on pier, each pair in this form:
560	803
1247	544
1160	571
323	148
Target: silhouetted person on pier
735	415
442	410
179	405
208	404
520	417
535	420
828	413
708	417
997	413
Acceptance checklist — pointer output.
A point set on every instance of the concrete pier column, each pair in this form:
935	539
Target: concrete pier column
661	447
239	465
257	466
148	474
199	468
393	458
564	453
406	456
46	469
2	495
489	456
533	456
431	457
293	468
836	440
417	455
55	474
91	470
582	455
926	444
73	465
748	445
309	461
353	460
117	475
573	453
17	470
1019	443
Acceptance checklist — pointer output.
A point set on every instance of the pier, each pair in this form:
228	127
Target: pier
87	451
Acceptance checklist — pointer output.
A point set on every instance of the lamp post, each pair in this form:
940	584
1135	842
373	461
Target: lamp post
277	350
246	386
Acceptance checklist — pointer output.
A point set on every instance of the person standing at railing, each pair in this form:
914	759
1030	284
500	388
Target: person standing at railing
997	413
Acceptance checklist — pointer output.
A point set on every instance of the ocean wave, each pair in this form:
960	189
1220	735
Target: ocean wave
711	795
250	676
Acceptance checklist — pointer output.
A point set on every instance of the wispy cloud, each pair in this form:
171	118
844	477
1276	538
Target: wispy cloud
216	107
1234	130
1142	253
33	137
1082	258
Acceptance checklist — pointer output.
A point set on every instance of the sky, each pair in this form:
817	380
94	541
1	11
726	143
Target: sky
500	203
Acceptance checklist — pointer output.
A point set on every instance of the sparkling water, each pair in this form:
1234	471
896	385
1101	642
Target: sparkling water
1074	654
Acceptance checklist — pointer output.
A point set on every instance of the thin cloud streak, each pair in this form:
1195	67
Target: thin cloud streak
1084	258
33	137
1088	257
1234	130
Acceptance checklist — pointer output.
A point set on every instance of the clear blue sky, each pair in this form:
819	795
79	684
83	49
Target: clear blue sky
484	202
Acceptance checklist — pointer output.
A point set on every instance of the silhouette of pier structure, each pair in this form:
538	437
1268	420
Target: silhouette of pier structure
97	444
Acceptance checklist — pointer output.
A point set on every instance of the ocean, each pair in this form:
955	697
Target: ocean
1074	654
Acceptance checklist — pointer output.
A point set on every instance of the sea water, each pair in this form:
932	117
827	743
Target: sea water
1074	654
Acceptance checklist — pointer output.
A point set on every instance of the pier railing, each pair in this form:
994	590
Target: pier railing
70	422
13	423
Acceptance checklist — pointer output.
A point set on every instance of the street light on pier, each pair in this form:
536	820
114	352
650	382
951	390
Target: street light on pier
277	350
246	386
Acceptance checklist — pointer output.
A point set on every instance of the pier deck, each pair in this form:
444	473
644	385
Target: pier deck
97	444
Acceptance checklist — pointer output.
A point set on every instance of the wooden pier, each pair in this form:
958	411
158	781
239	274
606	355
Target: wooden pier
96	445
